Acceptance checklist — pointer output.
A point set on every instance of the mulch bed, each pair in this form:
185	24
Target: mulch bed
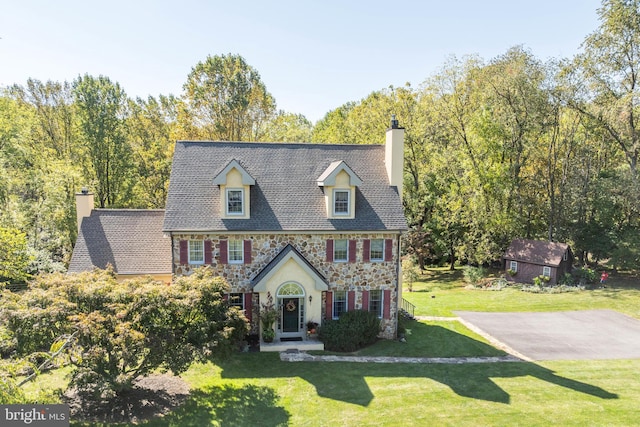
152	396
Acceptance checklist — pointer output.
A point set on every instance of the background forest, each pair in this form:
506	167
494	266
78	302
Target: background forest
495	149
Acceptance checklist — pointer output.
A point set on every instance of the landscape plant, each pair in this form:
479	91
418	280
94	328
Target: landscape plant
268	316
473	275
353	330
123	331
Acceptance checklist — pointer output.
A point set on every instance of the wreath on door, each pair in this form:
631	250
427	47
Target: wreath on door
291	305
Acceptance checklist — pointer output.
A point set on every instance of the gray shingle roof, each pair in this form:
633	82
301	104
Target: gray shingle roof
283	253
130	240
286	195
536	252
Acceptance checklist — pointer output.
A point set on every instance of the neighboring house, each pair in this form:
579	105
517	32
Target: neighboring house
131	241
314	227
527	259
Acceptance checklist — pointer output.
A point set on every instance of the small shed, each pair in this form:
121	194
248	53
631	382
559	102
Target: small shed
527	259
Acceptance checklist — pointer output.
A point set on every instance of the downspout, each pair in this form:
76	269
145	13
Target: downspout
398	284
173	272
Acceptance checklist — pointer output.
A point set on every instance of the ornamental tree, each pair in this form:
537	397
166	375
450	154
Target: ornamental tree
126	330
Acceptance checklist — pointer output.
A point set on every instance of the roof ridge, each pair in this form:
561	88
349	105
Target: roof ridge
279	144
127	210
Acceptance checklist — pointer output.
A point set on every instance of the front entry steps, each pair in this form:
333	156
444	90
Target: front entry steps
304	345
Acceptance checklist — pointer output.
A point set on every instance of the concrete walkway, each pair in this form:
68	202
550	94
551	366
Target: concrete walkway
300	356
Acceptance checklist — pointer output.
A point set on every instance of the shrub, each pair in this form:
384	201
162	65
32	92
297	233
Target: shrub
473	275
585	276
125	330
410	273
567	280
541	280
352	331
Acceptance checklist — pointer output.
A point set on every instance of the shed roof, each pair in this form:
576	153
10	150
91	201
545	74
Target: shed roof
536	252
130	240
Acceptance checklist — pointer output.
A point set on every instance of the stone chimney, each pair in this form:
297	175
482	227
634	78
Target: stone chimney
394	154
84	205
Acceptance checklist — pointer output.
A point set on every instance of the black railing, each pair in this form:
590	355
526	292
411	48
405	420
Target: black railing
408	308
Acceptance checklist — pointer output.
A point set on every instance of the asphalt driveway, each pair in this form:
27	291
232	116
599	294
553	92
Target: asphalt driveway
563	335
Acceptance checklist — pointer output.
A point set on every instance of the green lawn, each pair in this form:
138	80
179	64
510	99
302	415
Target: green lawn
440	292
257	389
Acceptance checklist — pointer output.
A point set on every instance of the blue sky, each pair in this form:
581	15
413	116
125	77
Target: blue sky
313	55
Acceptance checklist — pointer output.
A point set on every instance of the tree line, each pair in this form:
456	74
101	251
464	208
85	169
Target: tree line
495	149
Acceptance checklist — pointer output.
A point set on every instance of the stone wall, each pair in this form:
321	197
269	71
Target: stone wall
356	276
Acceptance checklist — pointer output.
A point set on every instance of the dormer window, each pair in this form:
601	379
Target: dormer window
339	184
234	182
341	202
235	201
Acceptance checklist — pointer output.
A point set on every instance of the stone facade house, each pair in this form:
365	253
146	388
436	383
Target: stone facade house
315	228
527	259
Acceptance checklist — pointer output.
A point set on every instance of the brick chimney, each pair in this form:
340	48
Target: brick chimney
394	154
84	205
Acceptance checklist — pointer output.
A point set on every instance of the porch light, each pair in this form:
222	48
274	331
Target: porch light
310	298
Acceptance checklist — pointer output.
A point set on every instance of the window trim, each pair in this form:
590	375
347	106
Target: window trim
513	265
346	251
544	269
343	301
348	202
380	310
230	243
381	258
241	191
189	250
240	305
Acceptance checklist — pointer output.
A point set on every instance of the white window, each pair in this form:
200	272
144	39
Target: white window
546	271
341	202
235	199
339	303
375	302
513	265
237	300
196	252
340	251
376	252
236	251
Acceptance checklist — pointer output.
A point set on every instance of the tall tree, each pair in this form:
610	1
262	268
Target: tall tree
102	110
151	127
226	99
605	76
288	127
14	258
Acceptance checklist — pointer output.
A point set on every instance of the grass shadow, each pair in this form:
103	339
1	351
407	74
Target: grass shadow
432	340
229	406
346	381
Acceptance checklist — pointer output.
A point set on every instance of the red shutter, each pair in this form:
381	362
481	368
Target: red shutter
225	297
386	308
207	252
224	254
366	250
184	252
329	250
328	307
248	306
247	251
365	300
351	300
388	249
352	251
